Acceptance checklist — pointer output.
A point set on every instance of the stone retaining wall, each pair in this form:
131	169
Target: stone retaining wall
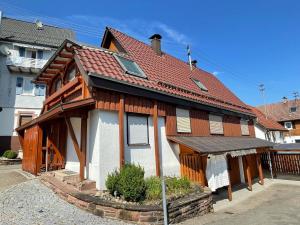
195	204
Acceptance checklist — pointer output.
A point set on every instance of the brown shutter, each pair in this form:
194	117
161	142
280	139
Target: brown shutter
216	124
244	127
183	120
25	119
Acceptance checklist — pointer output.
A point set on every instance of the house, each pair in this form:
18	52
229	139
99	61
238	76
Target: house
130	102
266	128
287	113
25	48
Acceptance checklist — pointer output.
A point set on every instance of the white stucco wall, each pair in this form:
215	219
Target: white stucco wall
260	133
291	139
103	148
72	162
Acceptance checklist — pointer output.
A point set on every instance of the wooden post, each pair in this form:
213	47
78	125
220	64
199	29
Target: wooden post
83	145
156	143
229	188
260	171
273	164
76	146
121	131
248	171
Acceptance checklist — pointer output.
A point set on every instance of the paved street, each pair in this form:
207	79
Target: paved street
10	175
278	204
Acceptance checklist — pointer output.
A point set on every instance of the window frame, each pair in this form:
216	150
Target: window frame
141	75
200	84
128	133
23	85
293	107
24	115
222	122
246	121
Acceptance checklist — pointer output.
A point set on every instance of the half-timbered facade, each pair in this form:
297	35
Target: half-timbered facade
130	102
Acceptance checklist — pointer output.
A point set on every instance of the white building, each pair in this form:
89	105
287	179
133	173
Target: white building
25	48
268	129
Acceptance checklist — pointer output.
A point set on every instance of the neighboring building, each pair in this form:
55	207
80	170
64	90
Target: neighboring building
130	102
287	113
268	129
25	48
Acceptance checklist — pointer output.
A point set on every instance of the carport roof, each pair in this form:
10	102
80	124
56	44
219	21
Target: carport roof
287	147
217	144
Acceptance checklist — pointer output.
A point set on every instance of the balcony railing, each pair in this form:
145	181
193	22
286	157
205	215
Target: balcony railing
24	62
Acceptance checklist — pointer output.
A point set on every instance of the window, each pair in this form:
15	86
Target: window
21	51
288	125
130	67
19	85
39	90
216	124
200	85
244	127
137	129
293	109
57	84
40	54
71	73
183	120
27	86
297	141
24	119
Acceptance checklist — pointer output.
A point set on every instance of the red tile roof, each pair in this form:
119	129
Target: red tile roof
268	122
164	73
281	111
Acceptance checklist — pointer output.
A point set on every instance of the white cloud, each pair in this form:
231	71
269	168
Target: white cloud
217	73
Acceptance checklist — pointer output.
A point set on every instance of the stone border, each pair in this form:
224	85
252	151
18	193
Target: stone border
192	205
5	161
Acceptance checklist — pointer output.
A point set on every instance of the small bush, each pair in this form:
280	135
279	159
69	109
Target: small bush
131	184
10	154
178	185
112	182
153	188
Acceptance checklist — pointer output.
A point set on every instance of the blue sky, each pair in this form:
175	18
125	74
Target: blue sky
244	43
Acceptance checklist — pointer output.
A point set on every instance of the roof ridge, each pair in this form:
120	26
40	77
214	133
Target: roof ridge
26	21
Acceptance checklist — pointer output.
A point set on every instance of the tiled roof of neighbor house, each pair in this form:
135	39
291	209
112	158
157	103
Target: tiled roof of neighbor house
287	147
281	111
164	73
13	30
267	123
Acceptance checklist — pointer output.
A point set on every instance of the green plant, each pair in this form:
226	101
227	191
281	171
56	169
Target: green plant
153	188
112	182
10	154
178	185
131	184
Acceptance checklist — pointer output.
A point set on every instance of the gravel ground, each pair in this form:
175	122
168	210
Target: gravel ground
32	203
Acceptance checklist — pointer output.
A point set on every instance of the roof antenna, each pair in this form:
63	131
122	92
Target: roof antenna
189	56
262	91
296	95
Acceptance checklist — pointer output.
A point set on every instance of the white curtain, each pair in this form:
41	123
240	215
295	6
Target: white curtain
216	172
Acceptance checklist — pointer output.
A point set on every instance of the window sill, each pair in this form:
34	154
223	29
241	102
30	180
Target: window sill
136	145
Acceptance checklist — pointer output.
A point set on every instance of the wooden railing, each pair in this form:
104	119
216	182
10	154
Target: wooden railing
286	163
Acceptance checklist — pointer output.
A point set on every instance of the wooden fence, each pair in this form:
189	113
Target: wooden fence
285	163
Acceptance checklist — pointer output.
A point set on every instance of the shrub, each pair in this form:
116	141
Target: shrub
131	184
128	182
10	154
178	185
153	188
112	182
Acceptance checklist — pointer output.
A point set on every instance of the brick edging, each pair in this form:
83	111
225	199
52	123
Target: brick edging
179	210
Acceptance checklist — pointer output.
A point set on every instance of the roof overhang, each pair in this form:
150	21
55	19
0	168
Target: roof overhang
220	144
287	147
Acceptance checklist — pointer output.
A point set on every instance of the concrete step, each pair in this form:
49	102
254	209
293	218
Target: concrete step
67	176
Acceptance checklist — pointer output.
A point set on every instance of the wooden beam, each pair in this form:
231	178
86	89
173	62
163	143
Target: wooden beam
229	187
56	66
248	171
66	55
156	141
83	141
121	130
52	71
259	168
75	143
59	61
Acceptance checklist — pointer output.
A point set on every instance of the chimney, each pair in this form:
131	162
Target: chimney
155	43
194	63
284	100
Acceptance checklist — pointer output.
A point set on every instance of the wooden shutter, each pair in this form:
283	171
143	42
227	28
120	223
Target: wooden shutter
137	130
216	124
183	120
244	127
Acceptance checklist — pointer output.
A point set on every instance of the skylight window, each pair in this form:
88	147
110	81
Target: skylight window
200	85
130	67
293	109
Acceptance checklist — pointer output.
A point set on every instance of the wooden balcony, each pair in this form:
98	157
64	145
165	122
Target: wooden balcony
294	132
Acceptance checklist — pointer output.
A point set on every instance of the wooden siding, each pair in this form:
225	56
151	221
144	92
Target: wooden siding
234	170
232	126
251	160
32	150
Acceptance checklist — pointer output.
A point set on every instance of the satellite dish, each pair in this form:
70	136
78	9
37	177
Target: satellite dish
4	50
